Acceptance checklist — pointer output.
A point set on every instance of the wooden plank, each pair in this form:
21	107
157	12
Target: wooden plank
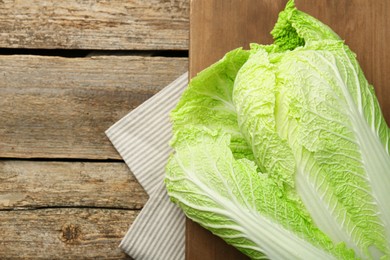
39	184
53	107
94	24
64	233
218	26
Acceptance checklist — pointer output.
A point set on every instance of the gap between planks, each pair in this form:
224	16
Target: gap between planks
79	53
76	210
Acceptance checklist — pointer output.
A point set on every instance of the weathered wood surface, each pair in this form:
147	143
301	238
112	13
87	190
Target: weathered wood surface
40	184
72	203
66	210
64	233
53	107
94	24
221	25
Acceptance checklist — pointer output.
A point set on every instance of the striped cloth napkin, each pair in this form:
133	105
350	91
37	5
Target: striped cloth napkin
142	139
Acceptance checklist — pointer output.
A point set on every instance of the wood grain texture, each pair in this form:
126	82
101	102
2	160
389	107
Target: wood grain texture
54	107
64	233
67	205
40	184
219	26
94	24
66	210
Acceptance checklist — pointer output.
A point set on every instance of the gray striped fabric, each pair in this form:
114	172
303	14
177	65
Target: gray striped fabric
142	138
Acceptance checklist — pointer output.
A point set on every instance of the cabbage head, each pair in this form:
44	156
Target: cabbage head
282	150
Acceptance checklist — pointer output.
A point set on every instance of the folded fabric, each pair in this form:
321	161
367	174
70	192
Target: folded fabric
158	232
142	139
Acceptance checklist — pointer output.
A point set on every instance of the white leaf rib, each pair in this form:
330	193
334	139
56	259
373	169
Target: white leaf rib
282	244
374	158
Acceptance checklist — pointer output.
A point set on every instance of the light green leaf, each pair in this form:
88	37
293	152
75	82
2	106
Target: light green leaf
331	118
245	207
208	101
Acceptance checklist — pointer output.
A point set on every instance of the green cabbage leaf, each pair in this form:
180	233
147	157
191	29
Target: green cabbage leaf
283	151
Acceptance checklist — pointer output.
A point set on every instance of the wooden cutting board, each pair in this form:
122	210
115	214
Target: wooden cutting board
217	26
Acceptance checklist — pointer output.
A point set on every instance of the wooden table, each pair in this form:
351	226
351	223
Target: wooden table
221	25
65	193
